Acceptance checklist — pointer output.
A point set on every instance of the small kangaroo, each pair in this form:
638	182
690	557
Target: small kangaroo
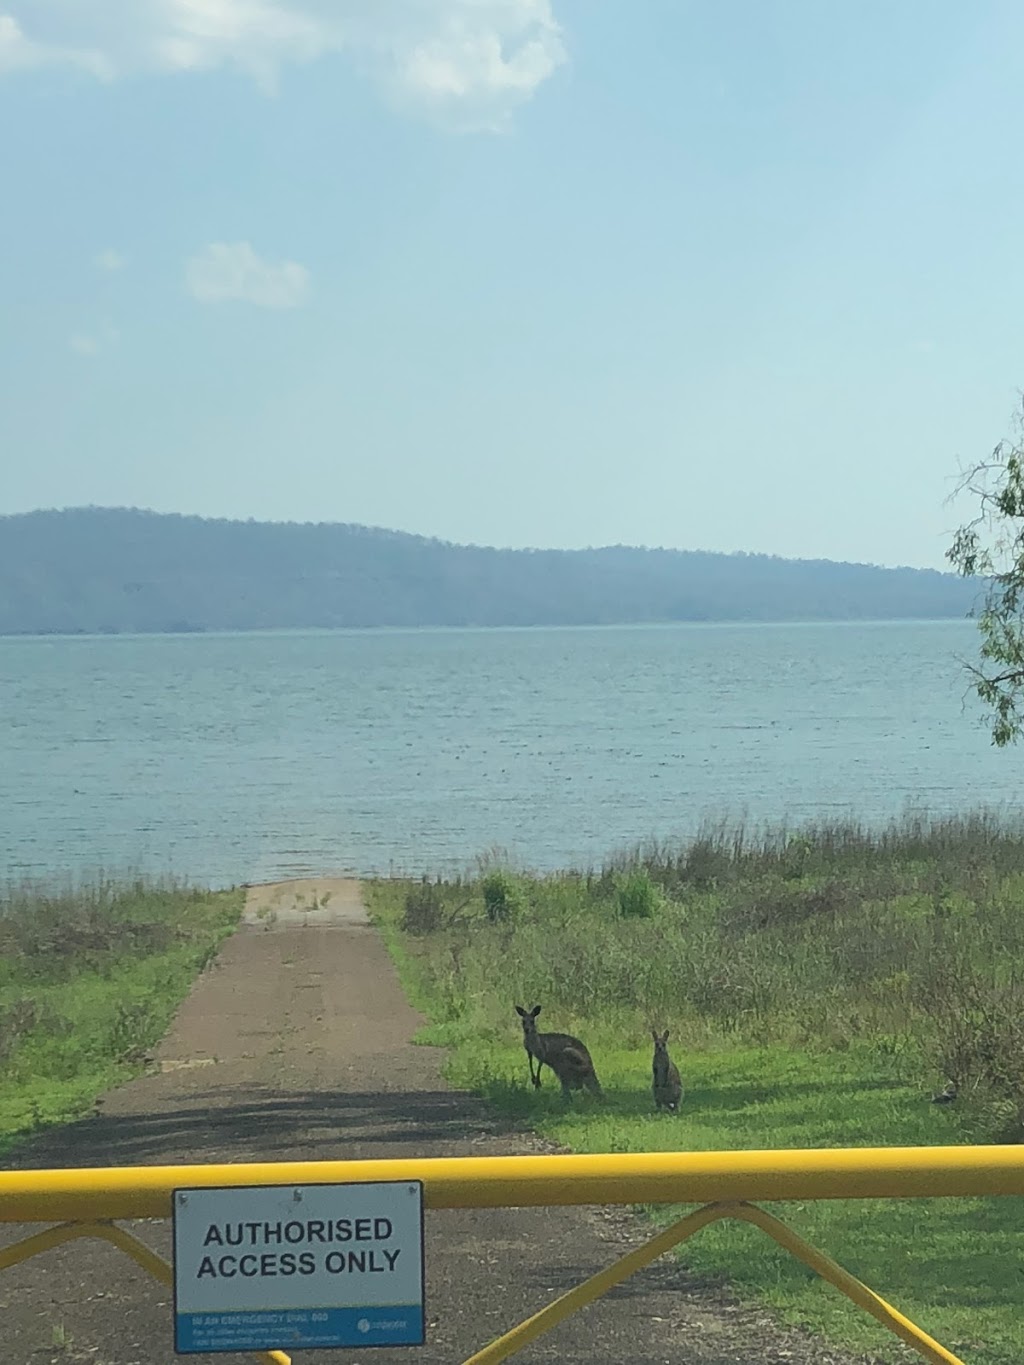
668	1087
567	1057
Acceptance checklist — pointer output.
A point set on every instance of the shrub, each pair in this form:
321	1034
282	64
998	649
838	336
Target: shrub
978	1043
638	897
500	897
422	913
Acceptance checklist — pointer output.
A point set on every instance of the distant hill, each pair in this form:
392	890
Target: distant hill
121	570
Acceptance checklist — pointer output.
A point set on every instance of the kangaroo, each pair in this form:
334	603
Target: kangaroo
567	1057
668	1087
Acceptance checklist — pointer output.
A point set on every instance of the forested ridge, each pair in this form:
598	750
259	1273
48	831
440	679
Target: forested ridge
87	570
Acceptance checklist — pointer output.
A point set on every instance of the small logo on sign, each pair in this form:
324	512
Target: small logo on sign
363	1324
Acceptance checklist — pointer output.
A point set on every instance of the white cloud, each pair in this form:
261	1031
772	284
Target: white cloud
474	68
82	344
225	272
466	61
110	261
15	49
90	344
19	52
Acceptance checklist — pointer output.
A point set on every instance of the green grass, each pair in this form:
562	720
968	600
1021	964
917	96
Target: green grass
818	988
953	1265
89	980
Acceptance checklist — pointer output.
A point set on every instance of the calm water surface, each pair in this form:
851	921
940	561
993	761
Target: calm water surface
241	757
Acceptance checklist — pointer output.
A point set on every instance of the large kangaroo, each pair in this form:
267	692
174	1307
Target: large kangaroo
567	1057
668	1087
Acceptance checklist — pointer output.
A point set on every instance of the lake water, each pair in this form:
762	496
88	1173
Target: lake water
250	757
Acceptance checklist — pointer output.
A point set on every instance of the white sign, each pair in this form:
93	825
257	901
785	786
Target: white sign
277	1267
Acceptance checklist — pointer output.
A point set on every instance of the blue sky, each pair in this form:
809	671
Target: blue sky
719	275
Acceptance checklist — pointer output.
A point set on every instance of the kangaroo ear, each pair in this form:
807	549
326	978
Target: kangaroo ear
664	1036
654	1035
535	1011
521	1012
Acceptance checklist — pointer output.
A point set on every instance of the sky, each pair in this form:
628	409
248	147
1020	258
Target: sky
707	274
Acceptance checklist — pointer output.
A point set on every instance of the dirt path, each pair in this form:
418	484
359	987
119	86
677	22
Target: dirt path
296	1045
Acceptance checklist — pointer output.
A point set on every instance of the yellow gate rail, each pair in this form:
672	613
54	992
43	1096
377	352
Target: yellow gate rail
488	1182
87	1201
